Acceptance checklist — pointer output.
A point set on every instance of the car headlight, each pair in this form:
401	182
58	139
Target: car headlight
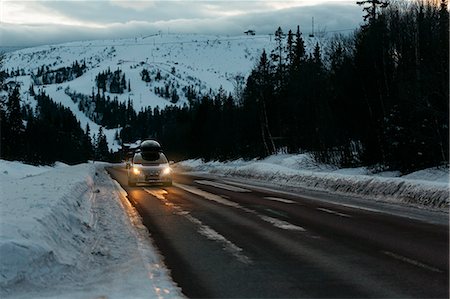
136	170
166	171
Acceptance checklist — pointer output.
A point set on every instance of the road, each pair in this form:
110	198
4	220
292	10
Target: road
222	238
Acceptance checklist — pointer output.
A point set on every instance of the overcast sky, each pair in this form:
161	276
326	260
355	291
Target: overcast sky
37	22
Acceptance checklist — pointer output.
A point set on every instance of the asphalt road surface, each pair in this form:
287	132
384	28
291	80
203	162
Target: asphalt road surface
222	238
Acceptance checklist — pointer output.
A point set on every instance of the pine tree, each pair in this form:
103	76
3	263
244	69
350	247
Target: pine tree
299	51
263	80
278	58
290	48
101	148
372	9
15	123
87	146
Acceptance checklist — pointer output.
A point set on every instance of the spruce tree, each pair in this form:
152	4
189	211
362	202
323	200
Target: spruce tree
14	120
372	8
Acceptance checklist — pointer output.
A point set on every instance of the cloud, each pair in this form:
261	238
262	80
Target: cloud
86	20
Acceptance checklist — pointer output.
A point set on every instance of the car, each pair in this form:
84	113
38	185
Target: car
149	166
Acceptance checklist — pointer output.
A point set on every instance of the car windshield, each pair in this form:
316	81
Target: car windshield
150	158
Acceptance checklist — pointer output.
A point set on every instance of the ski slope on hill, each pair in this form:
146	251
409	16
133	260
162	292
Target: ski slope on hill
205	63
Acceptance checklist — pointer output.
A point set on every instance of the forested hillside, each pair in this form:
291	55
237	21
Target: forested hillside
378	97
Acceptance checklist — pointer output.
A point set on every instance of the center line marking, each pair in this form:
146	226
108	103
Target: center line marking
279	199
213	235
333	212
221	186
207	195
219	199
411	261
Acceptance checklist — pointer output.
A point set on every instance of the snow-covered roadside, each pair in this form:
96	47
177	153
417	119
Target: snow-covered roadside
68	232
427	188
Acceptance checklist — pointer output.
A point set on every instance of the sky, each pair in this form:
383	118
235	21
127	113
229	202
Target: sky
41	22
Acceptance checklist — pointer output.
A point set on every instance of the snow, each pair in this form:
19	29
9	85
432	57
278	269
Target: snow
203	61
427	188
69	231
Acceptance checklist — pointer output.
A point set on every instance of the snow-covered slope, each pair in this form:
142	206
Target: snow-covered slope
208	61
204	62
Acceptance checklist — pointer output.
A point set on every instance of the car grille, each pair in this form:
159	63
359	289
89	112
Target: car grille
152	172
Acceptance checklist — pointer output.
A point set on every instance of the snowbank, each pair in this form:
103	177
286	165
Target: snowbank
426	188
64	233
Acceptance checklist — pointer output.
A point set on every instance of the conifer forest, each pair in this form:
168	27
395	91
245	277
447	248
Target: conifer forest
377	97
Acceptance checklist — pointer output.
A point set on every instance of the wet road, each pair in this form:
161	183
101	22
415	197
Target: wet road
226	239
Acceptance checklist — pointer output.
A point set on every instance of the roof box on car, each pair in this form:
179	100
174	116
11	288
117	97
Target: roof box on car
150	146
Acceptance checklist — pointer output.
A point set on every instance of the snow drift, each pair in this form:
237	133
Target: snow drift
427	188
64	233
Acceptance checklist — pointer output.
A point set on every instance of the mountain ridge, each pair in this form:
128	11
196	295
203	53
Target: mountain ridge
174	63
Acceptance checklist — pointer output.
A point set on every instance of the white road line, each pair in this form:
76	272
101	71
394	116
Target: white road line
203	229
333	212
411	261
363	208
213	235
159	194
279	199
310	198
281	224
222	186
219	199
207	195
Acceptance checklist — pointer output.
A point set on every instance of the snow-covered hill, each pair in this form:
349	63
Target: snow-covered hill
203	62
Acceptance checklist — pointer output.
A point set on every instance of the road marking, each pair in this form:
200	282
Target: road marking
281	224
219	199
207	195
159	194
203	229
333	212
362	208
312	198
213	235
411	261
279	199
221	186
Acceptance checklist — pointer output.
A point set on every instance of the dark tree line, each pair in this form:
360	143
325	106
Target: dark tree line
208	128
113	82
102	110
45	75
378	97
168	92
47	134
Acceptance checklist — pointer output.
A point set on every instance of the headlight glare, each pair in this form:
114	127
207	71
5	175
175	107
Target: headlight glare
166	171
136	170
